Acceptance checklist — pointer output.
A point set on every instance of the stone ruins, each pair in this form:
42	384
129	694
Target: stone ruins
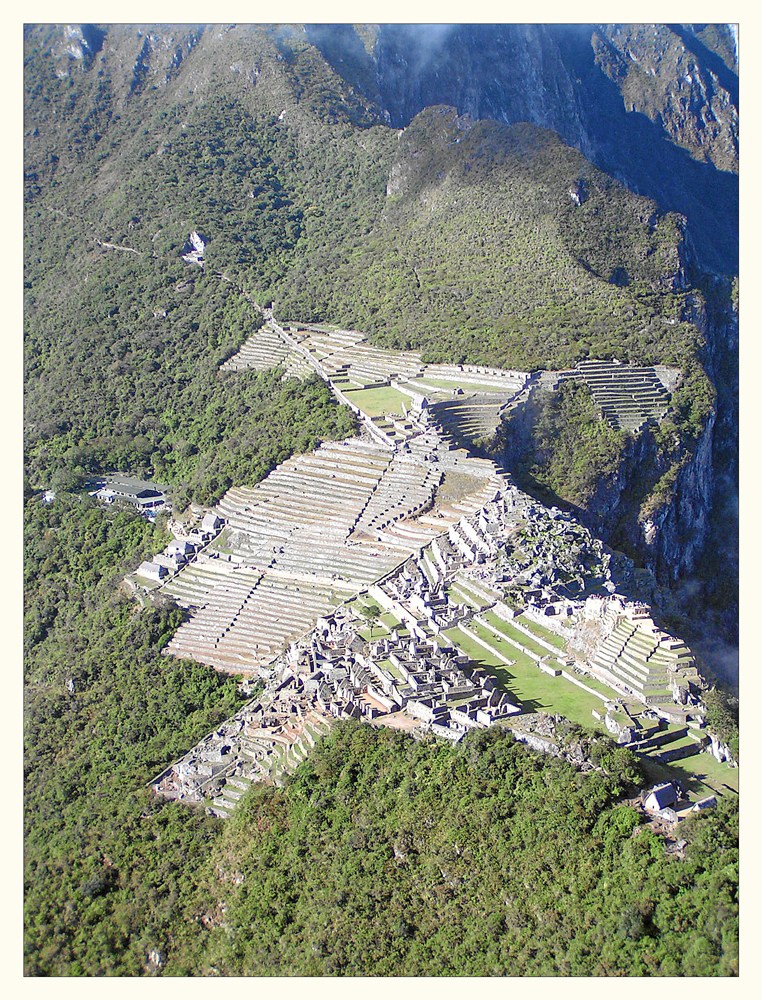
353	581
312	534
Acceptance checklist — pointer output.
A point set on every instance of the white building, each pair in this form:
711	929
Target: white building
211	522
152	570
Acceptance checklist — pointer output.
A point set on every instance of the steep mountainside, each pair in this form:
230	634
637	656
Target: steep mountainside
470	239
523	196
635	99
654	105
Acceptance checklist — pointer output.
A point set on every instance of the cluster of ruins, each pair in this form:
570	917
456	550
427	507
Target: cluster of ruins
354	581
414	675
181	550
313	533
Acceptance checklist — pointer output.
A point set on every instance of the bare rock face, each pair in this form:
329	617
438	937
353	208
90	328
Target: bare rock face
136	55
684	78
78	44
632	98
675	534
660	73
578	192
510	72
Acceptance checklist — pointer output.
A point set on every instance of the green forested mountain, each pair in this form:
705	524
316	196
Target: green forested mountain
460	238
137	387
472	240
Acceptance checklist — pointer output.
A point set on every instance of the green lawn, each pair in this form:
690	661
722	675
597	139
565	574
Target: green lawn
649	726
366	601
505	628
542	632
513	633
389	667
700	775
444	383
382	626
678	744
597	685
533	689
460	593
378	631
390	620
378	402
502	645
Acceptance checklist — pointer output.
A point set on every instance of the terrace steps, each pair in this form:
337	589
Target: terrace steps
267	349
640	661
627	395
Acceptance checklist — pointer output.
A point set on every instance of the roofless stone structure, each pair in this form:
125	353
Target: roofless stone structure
411	670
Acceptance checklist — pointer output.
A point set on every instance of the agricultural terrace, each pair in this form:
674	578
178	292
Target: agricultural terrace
379	401
424	385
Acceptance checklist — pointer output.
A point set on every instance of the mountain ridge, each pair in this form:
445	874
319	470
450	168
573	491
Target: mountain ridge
473	240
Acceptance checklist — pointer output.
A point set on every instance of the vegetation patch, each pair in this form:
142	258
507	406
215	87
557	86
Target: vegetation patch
430	877
149	399
106	865
569	451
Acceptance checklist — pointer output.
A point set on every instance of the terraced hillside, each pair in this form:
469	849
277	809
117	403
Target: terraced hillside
347	356
473	421
318	529
267	349
627	395
324	525
643	661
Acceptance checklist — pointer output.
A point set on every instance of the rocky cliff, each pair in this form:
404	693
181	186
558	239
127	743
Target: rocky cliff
650	501
654	105
669	531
